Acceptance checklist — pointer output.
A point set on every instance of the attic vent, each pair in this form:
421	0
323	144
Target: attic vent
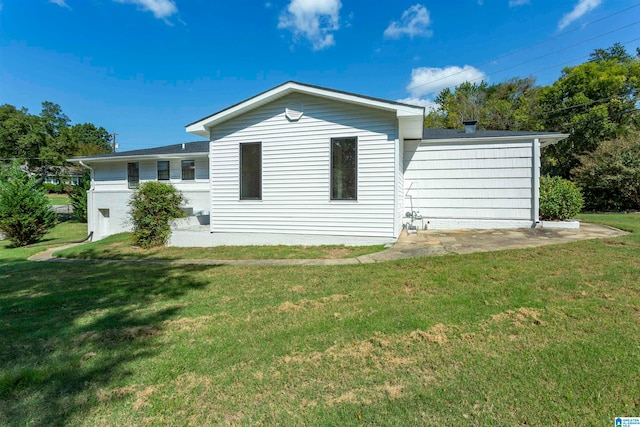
294	112
470	126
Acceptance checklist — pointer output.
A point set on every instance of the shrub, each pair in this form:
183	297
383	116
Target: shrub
78	196
49	187
560	199
25	210
610	176
153	205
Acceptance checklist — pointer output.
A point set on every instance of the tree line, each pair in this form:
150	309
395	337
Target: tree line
49	138
594	102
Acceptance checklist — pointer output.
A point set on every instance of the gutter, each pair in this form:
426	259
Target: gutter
549	139
140	157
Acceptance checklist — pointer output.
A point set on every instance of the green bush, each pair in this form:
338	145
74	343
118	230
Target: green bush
49	187
78	196
610	176
153	205
58	188
25	211
560	199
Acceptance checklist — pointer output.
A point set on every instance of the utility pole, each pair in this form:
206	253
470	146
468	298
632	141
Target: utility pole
114	144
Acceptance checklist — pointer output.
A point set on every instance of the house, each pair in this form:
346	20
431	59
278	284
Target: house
302	164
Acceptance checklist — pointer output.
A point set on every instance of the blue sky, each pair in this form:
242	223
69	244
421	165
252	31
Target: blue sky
146	68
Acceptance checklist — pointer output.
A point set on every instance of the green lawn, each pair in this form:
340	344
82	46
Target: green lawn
59	199
543	336
120	246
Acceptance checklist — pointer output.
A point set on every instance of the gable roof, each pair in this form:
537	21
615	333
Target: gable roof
167	151
411	117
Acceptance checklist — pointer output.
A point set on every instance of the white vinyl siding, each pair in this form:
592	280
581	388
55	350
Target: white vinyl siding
472	182
296	170
110	192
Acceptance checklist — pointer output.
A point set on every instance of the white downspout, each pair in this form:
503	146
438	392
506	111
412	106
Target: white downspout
535	176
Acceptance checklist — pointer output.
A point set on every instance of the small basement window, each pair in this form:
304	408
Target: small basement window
188	170
163	170
133	174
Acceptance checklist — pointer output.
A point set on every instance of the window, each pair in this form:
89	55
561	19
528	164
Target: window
133	174
188	170
251	171
163	170
344	169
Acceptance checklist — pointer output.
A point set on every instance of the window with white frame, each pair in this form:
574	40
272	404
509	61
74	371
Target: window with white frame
188	170
163	170
133	174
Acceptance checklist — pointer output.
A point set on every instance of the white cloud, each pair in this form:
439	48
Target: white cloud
61	3
415	21
428	104
426	80
514	3
315	20
161	9
583	7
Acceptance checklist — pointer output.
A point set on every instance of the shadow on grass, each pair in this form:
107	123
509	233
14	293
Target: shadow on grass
71	331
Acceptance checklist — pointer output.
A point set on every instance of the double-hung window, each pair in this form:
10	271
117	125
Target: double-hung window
133	174
344	168
163	170
251	171
188	170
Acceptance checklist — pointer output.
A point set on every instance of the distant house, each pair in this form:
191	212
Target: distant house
302	164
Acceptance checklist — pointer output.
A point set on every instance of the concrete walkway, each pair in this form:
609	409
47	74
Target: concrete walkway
424	243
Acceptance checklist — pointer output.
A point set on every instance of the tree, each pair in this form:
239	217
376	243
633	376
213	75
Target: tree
153	204
509	105
48	139
90	140
610	176
593	101
78	196
25	211
17	133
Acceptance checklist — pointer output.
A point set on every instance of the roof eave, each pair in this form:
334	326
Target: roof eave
138	157
201	127
545	139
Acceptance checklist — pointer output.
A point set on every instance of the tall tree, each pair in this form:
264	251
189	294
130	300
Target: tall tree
509	105
47	139
90	140
593	101
17	133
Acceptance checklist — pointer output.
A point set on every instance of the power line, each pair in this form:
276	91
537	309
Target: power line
563	63
565	48
536	44
552	66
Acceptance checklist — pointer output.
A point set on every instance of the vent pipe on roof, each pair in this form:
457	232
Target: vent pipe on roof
183	145
470	126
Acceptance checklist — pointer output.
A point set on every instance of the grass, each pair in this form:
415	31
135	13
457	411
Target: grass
59	199
120	247
542	336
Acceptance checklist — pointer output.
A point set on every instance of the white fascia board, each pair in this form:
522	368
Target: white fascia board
544	139
411	126
201	127
141	157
